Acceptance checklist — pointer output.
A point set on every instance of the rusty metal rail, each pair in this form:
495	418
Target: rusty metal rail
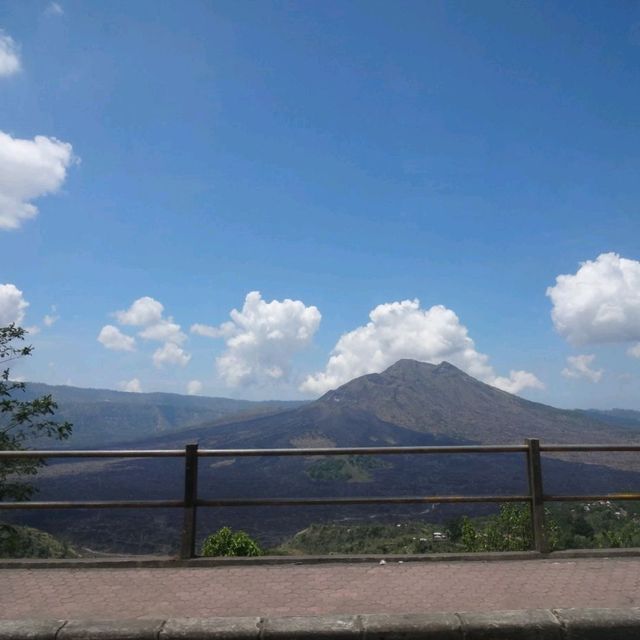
532	448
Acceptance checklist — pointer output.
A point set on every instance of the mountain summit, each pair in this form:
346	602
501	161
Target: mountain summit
443	400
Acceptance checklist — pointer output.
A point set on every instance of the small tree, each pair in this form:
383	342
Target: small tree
21	420
508	530
226	542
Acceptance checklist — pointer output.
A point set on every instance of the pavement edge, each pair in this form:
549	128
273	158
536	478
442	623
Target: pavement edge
535	624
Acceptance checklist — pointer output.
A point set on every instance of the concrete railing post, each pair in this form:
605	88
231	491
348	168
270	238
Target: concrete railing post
534	468
188	542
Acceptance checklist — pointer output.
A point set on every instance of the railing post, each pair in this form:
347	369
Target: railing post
534	468
188	543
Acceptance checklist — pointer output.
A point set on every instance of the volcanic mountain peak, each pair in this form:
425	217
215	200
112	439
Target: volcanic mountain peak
444	401
421	380
414	369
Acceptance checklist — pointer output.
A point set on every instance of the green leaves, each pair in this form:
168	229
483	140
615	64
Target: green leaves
226	542
509	530
21	420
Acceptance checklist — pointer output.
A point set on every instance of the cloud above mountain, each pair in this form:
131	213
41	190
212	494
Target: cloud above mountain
147	314
29	169
404	330
600	303
261	339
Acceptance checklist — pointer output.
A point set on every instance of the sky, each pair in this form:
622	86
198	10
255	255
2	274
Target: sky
267	199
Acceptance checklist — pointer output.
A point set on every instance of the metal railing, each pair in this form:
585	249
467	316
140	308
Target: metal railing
532	449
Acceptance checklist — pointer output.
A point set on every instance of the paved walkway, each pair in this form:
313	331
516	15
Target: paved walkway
284	590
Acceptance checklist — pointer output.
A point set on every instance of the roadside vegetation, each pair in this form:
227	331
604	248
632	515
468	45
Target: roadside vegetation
27	542
597	525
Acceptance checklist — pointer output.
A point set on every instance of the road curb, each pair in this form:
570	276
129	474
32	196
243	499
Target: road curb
535	624
162	562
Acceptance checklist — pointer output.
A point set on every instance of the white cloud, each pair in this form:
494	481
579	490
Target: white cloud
54	9
579	367
164	331
194	387
170	353
142	312
112	338
133	385
12	305
262	339
634	351
403	330
206	330
599	303
148	313
9	57
29	169
516	382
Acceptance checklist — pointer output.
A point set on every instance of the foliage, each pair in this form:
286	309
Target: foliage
598	525
509	530
380	538
26	542
226	542
21	420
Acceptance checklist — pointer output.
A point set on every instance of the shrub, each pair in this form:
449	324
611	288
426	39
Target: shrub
226	542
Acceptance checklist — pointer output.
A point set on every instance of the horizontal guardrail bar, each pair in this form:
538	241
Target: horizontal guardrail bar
550	448
593	498
361	451
285	502
93	504
312	451
255	502
76	453
238	453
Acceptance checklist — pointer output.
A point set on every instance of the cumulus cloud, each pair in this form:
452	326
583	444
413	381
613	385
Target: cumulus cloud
112	338
170	353
143	311
634	351
29	169
194	387
9	57
600	303
404	330
164	331
261	339
580	367
147	314
206	330
133	385
13	306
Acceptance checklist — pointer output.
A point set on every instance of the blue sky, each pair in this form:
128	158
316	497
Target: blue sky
335	157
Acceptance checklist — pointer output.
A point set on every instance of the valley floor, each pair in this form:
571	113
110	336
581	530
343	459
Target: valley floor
286	590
